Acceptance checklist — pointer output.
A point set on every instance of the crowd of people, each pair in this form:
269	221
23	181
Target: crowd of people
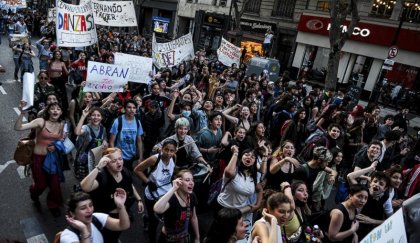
298	164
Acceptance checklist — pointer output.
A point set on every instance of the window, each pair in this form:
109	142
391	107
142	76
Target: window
382	8
283	8
223	3
323	6
253	6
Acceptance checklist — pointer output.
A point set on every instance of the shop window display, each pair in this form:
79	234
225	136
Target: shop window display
252	49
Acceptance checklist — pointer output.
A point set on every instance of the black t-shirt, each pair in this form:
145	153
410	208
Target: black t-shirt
307	174
175	217
373	209
103	196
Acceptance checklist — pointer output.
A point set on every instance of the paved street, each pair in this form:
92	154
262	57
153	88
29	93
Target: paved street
21	221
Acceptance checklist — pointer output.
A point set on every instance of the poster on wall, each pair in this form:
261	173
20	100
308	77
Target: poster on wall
75	26
160	24
114	14
102	77
139	66
392	230
228	53
172	53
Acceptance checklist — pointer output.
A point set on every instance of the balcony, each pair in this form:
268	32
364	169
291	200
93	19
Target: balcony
253	7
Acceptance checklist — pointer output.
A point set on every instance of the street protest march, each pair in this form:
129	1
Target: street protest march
114	14
102	77
172	53
75	25
228	53
139	66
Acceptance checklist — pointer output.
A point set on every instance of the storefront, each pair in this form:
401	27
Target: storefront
363	54
209	29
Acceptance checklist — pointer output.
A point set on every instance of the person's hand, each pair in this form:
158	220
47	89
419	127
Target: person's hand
22	104
51	148
175	94
364	219
256	239
105	145
397	203
119	197
103	161
269	217
177	183
85	112
213	150
355	225
234	149
331	179
77	224
373	165
283	185
140	207
294	161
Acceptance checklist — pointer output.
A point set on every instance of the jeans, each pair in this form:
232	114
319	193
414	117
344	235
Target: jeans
17	66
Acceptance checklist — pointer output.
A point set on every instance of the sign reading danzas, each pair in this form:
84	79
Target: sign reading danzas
75	25
172	53
110	13
140	67
228	53
102	77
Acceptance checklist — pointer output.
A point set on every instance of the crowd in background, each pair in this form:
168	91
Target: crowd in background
203	135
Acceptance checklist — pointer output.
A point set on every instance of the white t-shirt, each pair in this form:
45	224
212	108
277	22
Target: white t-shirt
68	236
267	39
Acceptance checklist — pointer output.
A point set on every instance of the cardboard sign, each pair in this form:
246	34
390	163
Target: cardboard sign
228	53
116	14
172	53
75	25
102	77
392	230
139	66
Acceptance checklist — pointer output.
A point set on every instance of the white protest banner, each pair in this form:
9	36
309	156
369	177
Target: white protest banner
12	4
52	15
140	67
115	14
28	89
102	77
75	25
228	53
392	230
172	53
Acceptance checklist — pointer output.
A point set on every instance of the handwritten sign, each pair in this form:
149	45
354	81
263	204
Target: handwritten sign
392	230
75	25
139	66
228	53
172	53
102	77
116	14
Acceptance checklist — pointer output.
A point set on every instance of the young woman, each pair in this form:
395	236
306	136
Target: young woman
81	218
58	72
105	179
42	89
282	165
158	182
343	224
90	136
25	60
228	227
295	130
242	120
395	173
178	209
276	213
48	129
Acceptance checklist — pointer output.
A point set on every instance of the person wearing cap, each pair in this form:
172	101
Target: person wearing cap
308	172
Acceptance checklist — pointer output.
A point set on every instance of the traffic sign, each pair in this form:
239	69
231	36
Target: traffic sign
393	51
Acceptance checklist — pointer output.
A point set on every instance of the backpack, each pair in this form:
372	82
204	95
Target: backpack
307	151
215	189
95	222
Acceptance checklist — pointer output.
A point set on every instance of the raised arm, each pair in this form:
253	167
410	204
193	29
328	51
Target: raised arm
351	177
230	170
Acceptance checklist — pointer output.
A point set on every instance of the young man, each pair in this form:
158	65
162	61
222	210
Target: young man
385	127
209	139
128	138
364	159
373	213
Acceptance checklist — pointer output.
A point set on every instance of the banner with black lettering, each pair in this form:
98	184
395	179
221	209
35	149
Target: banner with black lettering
115	14
172	53
75	25
103	77
228	53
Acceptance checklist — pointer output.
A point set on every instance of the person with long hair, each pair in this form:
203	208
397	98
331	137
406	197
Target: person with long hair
282	165
343	223
57	71
178	209
242	120
256	136
295	129
395	174
227	227
42	89
48	129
